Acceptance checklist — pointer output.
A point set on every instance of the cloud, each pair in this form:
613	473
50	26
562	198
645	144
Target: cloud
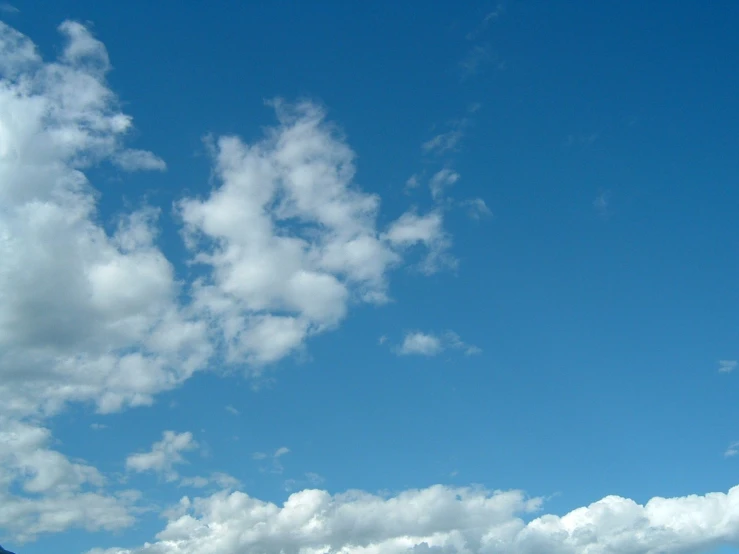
476	208
231	410
429	344
8	8
420	343
139	160
98	426
732	450
601	203
116	336
281	451
222	480
286	243
287	239
309	479
442	180
57	493
443	142
163	456
276	466
727	366
489	18
444	519
412	229
477	58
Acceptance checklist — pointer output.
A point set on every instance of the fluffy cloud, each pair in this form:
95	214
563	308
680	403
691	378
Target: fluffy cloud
59	493
289	240
443	519
164	455
84	315
429	344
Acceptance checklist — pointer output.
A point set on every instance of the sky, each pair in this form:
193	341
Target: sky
369	277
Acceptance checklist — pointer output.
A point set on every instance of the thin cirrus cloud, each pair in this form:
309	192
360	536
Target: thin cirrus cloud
727	366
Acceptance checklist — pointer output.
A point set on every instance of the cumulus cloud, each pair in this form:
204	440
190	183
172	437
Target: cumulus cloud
443	519
164	455
289	241
58	493
429	344
84	315
420	343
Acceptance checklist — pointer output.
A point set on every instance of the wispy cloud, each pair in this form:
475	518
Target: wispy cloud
441	180
732	450
309	479
444	142
231	410
476	208
727	366
602	203
8	8
430	344
274	458
490	17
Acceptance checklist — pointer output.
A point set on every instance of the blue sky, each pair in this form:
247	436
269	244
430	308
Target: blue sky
427	252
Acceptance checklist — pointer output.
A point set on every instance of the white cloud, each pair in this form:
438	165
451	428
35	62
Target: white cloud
8	8
59	493
98	341
444	519
281	451
732	450
98	426
429	344
288	239
231	410
420	343
139	160
164	455
442	180
412	229
727	366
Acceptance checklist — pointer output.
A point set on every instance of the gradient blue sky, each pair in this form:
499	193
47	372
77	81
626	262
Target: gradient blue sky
598	286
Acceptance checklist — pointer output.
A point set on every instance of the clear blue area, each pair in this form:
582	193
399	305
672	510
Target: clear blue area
601	329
